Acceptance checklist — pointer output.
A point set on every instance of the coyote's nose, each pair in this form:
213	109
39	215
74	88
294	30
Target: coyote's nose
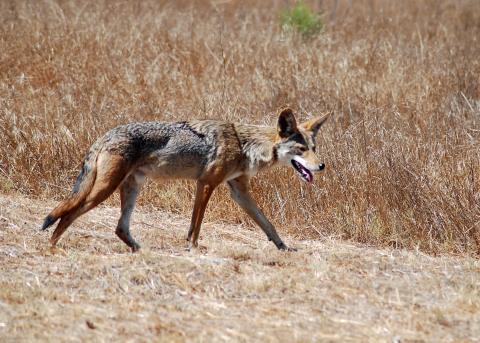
321	166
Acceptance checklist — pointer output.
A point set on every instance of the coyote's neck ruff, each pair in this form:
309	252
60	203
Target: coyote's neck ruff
208	151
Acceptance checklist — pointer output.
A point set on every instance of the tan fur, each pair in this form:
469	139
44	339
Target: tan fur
210	152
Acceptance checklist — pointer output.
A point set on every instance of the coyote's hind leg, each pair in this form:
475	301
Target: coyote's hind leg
110	172
129	190
64	223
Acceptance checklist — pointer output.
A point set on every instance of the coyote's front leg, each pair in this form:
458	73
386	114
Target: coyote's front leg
202	195
239	193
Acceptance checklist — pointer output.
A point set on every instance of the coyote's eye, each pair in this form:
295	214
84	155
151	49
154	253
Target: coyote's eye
302	149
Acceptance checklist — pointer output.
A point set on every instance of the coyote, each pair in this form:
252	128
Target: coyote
208	151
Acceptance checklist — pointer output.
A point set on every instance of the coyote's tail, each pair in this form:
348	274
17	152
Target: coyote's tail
81	189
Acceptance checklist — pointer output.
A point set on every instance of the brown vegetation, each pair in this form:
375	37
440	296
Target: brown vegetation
402	78
402	156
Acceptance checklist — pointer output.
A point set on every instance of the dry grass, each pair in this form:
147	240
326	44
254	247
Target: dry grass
238	288
401	151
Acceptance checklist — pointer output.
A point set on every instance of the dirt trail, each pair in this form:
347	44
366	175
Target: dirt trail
238	287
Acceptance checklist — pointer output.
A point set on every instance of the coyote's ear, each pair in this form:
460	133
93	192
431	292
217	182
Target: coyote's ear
287	124
314	124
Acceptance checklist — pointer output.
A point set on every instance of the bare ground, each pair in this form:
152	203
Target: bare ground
237	287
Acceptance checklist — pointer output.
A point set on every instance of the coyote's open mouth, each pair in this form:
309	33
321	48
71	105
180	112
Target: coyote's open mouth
304	172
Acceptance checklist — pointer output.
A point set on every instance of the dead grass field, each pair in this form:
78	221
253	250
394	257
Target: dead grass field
237	288
389	234
401	150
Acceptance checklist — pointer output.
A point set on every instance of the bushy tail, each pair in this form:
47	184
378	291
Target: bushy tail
82	188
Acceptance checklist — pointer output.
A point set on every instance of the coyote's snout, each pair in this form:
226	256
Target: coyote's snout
208	151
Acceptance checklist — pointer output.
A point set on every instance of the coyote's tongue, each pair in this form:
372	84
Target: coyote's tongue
305	174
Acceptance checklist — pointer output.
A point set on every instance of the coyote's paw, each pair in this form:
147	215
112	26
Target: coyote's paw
283	247
135	247
196	247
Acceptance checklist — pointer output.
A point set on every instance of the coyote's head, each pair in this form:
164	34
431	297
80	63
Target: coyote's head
296	145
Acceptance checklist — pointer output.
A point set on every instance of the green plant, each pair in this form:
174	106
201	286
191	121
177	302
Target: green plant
301	18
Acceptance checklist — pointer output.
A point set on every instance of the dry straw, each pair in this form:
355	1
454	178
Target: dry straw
401	77
401	151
